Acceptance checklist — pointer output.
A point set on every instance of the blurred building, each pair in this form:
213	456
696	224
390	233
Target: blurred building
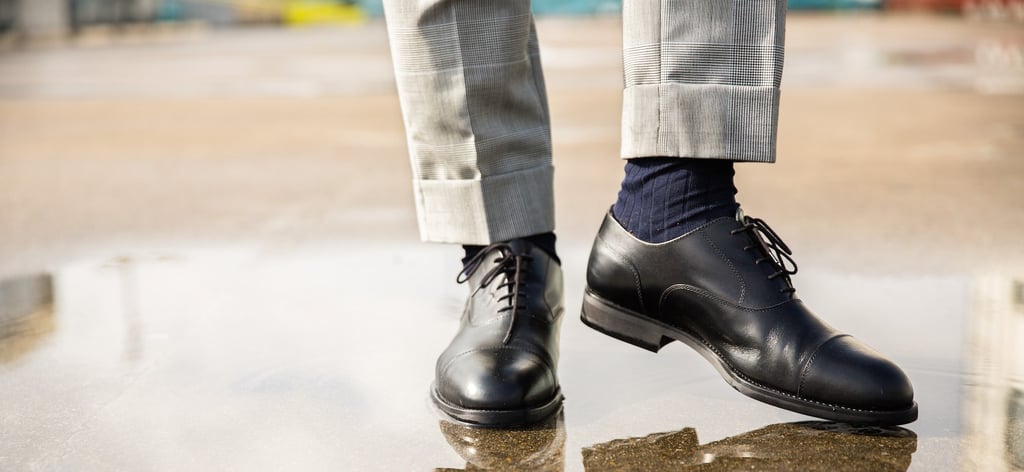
49	18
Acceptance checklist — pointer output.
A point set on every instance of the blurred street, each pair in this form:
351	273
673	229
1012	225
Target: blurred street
209	259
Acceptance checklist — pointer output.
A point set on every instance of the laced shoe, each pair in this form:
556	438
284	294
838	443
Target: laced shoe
500	369
725	290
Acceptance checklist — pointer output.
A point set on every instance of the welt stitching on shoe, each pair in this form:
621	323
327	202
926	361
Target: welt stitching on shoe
807	366
739	374
636	275
743	285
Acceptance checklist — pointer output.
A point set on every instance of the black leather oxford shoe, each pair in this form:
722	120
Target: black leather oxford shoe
724	289
500	370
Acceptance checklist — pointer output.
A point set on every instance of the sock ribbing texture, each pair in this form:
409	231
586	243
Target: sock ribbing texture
662	198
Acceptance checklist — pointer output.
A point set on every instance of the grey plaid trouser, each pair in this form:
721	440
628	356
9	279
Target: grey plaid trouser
701	81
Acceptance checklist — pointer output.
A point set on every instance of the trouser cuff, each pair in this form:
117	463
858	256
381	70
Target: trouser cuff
491	209
738	123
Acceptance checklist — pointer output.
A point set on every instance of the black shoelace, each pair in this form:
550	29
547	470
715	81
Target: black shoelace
774	249
509	264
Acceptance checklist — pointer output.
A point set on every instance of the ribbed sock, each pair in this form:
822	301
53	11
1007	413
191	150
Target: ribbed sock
543	241
663	198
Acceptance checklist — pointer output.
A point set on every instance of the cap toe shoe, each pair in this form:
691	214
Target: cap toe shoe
725	290
847	372
501	368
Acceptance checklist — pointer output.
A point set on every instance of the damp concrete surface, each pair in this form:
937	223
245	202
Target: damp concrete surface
209	259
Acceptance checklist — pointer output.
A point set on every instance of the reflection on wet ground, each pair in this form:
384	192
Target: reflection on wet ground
810	446
994	390
26	314
540	447
238	298
258	358
806	446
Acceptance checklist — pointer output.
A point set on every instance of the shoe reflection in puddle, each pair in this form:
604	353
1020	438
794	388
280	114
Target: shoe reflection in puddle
539	447
805	446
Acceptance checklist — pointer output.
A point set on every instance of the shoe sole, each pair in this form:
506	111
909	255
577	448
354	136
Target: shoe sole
497	418
641	331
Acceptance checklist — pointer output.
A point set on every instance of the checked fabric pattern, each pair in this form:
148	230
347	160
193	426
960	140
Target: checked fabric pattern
701	81
702	78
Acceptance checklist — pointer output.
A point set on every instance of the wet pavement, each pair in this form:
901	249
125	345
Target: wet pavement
208	257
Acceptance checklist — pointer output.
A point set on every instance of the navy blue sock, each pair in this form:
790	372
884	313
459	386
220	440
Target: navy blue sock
663	198
544	241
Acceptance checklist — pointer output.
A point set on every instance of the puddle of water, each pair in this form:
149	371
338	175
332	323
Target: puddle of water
811	445
246	358
539	447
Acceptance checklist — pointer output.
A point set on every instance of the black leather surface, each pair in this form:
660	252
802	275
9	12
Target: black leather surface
709	284
483	370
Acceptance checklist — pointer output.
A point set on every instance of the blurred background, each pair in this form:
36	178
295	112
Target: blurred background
209	259
56	18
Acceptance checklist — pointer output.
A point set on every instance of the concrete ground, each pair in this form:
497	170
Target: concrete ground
209	260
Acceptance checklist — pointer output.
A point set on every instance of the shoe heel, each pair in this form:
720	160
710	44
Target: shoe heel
620	324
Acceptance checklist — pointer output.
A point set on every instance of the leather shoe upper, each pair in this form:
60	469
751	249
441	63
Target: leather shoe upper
727	283
505	354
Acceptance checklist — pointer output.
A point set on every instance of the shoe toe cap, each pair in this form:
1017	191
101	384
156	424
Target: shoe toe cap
497	379
848	373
